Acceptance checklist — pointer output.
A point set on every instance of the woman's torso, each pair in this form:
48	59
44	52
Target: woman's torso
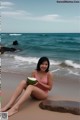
42	78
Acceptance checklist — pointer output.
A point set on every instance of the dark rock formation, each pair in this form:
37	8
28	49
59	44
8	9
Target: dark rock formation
15	42
4	49
61	106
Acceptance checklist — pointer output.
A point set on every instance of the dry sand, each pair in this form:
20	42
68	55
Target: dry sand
63	89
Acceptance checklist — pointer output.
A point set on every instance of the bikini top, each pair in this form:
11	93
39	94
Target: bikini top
43	80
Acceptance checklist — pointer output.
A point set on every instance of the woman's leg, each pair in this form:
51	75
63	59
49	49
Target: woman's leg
39	94
15	95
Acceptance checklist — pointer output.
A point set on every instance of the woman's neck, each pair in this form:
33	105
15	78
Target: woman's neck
42	72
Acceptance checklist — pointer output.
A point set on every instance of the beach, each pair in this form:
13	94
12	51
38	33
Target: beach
62	49
31	30
63	89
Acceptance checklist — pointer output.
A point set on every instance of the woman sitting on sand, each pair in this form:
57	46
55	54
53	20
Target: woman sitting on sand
38	90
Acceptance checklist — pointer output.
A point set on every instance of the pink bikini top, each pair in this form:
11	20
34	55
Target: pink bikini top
43	80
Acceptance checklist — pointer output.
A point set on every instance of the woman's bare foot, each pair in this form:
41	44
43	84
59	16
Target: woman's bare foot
4	109
12	111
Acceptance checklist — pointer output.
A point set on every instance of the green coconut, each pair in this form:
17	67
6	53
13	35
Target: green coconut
31	80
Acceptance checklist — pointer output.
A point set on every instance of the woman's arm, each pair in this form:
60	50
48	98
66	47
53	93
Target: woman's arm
33	74
50	81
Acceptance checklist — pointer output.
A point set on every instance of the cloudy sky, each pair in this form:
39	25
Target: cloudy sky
39	16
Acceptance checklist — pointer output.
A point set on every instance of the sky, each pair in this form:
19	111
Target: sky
40	16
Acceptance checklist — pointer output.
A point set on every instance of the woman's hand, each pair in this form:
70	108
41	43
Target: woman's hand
36	83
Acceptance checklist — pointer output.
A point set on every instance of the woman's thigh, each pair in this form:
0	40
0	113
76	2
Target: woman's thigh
38	93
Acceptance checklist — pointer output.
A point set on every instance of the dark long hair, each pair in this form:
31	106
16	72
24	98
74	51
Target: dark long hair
41	60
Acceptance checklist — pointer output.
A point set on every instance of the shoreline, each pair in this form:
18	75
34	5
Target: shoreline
24	64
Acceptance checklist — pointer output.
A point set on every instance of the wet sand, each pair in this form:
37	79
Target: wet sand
63	89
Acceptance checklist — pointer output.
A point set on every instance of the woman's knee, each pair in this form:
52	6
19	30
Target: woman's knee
30	87
23	83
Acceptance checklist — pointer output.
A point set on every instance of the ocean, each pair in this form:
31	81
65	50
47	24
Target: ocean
62	49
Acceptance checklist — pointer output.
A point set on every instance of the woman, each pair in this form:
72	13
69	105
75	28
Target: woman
38	90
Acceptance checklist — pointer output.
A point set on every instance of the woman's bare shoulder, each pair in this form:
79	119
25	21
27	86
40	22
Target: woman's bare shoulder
49	73
33	72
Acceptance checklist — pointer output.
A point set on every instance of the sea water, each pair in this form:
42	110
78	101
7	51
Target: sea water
62	49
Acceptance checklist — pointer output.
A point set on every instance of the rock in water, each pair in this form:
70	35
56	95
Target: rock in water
15	42
4	49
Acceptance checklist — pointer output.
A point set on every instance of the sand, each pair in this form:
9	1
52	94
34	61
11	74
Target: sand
63	89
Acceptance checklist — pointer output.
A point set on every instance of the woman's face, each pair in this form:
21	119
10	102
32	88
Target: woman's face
44	66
